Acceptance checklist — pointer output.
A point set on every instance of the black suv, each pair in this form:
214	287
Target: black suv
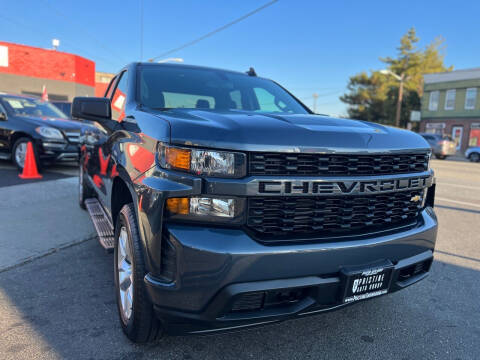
229	204
24	119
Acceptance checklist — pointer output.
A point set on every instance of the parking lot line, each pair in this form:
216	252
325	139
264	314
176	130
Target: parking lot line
460	186
457	202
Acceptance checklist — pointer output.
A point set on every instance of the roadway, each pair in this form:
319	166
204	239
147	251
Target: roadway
57	295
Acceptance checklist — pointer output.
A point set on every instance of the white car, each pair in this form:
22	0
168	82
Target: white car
473	154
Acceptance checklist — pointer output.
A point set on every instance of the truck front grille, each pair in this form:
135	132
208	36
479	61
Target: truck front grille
278	164
272	218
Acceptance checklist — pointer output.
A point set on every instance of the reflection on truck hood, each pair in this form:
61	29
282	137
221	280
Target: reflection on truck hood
62	124
240	130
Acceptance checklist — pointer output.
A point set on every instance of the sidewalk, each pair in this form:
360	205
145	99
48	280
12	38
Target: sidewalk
39	218
457	158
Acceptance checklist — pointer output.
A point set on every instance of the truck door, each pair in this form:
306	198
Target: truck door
103	150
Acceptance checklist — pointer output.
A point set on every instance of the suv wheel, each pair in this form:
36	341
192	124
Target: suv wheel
474	157
19	152
84	191
137	316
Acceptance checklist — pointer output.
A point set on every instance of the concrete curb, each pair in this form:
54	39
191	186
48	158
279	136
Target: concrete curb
45	253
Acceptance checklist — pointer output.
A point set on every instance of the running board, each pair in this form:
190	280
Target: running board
102	224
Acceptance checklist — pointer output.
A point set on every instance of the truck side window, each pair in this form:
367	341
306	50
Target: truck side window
119	98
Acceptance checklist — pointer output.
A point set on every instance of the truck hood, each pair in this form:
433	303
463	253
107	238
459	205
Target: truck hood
249	131
61	124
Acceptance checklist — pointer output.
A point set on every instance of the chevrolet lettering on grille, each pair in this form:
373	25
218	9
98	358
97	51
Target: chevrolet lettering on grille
351	187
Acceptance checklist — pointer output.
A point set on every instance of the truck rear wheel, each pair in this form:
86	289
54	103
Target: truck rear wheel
137	316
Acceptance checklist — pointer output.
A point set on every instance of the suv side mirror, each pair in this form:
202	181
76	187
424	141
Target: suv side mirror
91	108
3	116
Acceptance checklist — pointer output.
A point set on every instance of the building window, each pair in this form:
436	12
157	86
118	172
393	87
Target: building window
450	99
470	98
433	101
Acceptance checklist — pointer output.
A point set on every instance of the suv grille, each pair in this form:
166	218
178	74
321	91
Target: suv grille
335	164
73	136
330	216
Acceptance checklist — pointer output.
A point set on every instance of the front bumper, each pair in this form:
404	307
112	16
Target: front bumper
52	151
213	269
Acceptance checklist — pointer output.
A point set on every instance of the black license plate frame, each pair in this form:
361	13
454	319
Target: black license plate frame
366	283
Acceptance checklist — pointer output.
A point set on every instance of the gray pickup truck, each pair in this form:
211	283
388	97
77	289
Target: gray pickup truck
229	204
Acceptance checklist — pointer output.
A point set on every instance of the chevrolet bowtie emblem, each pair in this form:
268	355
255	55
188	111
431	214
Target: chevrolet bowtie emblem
415	198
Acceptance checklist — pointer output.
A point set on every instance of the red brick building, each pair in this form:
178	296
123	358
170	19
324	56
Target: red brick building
102	80
25	69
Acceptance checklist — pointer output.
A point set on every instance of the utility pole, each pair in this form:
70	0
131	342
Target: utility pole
315	97
141	30
399	100
401	79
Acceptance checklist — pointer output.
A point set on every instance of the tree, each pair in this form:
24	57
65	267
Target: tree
374	97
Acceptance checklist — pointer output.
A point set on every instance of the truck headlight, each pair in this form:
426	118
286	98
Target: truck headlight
203	162
49	132
206	209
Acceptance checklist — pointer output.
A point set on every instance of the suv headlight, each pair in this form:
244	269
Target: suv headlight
49	132
203	162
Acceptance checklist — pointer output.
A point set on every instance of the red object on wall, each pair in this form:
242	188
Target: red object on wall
48	64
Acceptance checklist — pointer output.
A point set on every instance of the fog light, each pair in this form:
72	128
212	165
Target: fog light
211	206
203	209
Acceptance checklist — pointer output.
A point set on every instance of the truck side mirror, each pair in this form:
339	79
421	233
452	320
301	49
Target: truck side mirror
3	116
96	109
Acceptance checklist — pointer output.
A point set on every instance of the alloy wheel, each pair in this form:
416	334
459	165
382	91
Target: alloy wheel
20	153
125	275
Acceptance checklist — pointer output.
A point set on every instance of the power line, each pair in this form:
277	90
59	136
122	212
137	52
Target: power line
190	43
93	37
141	30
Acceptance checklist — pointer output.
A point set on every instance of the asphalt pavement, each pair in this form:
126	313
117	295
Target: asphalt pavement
59	302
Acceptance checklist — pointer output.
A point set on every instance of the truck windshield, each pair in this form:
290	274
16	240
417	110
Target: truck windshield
170	87
32	107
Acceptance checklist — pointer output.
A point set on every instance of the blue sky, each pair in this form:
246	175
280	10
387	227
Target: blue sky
308	46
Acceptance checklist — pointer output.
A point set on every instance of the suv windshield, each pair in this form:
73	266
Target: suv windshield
167	87
32	107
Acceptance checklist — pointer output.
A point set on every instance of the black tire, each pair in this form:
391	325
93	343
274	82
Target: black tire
440	157
24	140
143	325
474	157
84	190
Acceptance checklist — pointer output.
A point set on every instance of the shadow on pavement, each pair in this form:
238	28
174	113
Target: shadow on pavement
10	177
63	306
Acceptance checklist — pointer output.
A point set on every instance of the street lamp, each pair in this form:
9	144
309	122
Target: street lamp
401	78
179	60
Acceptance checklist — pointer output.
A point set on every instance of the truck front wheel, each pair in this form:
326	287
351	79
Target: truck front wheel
136	312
